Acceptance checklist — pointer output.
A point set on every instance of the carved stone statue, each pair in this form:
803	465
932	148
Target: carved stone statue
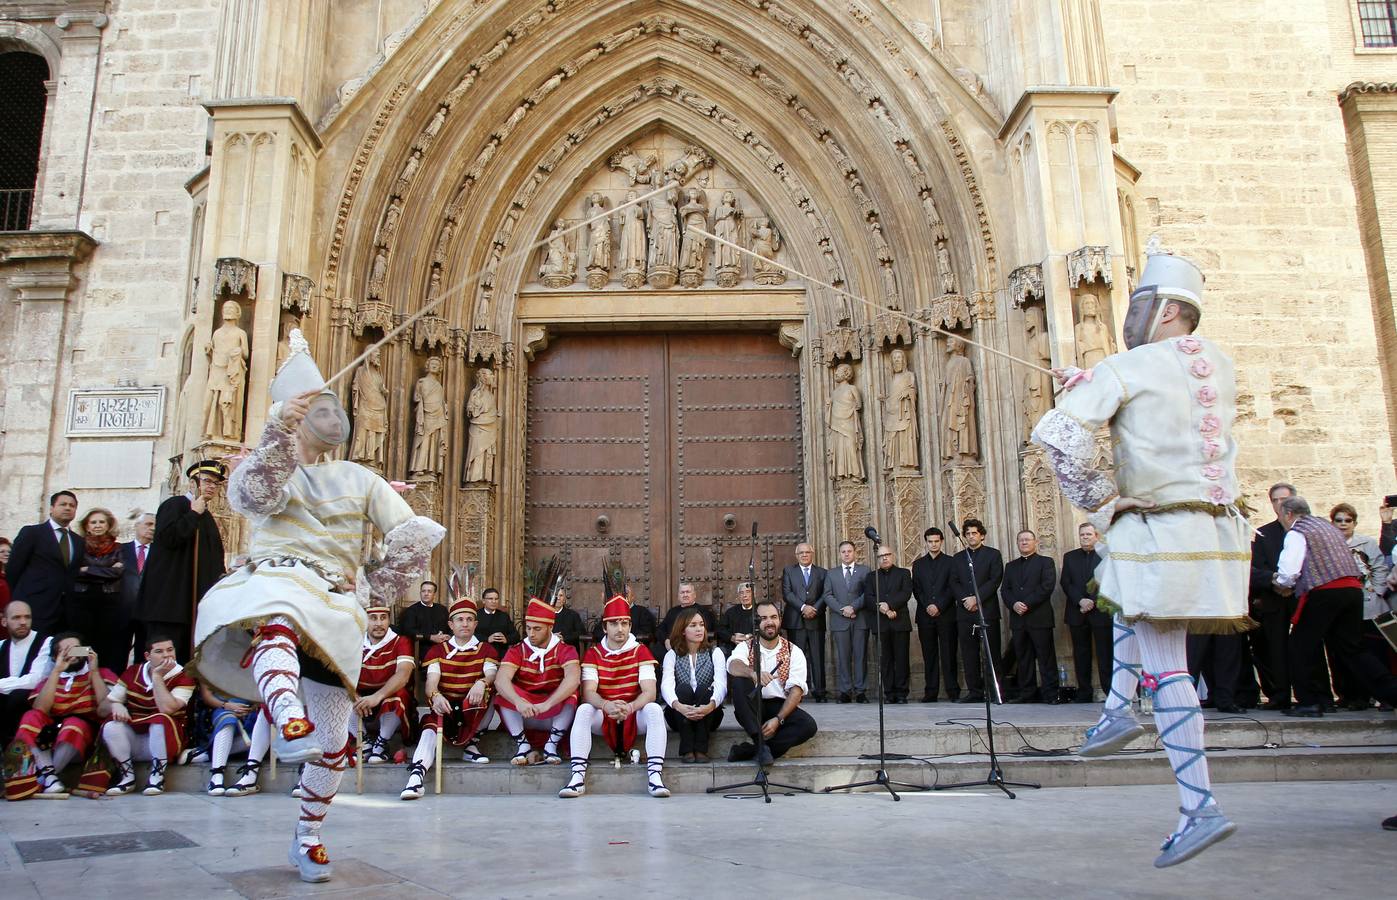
369	398
429	429
1092	336
842	415
944	271
289	320
378	273
960	444
559	262
766	242
483	414
434	283
693	256
228	353
727	224
900	419
599	253
664	240
638	168
633	243
414	162
1038	386
390	221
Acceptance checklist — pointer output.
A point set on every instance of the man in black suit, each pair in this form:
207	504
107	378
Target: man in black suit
119	619
1028	601
44	560
803	589
186	561
936	617
850	619
1090	627
988	573
568	624
890	588
1271	607
24	664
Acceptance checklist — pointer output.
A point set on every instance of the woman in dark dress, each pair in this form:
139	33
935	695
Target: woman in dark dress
95	605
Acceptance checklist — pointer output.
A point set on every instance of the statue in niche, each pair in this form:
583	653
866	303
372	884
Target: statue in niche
228	353
1038	386
633	244
900	418
414	162
378	273
944	270
429	427
693	256
599	253
434	283
289	320
960	444
390	220
1093	338
664	240
559	262
766	242
434	127
845	426
369	399
727	224
482	412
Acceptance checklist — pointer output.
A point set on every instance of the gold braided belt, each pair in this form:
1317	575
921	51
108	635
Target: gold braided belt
1216	510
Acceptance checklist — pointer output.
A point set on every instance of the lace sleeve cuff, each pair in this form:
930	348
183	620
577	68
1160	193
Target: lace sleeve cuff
1070	448
407	550
257	487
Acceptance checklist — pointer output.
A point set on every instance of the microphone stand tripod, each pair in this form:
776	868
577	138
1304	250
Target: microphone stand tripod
880	778
759	779
995	778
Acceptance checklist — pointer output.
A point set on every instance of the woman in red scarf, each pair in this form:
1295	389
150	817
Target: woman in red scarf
4	560
96	597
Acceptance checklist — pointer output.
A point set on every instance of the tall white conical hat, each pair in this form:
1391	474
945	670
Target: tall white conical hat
299	373
1171	276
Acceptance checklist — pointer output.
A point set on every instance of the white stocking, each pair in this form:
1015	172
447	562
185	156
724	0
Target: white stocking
1125	677
261	739
278	673
388	726
557	727
117	737
650	721
225	742
328	708
155	743
1176	713
44	758
63	756
426	752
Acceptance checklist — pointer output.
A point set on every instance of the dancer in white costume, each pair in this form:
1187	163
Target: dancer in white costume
1176	556
288	626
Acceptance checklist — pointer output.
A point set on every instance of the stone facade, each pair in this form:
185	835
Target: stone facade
977	168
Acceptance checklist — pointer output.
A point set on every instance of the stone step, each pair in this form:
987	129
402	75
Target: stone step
1148	767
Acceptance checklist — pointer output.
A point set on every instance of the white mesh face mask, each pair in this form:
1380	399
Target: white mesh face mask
326	420
1142	316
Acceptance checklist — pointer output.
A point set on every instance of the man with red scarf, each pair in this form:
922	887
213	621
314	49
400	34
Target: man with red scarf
384	704
781	674
149	699
619	687
537	686
460	672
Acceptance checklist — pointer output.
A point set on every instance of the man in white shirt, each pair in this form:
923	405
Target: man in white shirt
24	664
780	720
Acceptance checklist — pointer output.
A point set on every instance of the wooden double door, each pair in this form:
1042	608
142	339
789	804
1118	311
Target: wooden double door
661	451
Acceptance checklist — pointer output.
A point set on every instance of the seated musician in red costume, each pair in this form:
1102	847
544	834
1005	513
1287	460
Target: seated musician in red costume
148	701
460	672
537	686
384	705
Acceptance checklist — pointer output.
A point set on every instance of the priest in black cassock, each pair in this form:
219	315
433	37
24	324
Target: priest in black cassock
493	624
186	559
568	624
1028	594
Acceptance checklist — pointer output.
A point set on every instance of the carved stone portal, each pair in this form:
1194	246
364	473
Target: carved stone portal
965	486
851	512
1040	499
474	531
909	515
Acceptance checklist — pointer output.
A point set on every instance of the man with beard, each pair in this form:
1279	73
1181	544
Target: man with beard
61	728
781	681
384	704
25	660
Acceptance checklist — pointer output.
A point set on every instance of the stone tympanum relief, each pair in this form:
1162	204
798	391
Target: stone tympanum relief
656	243
228	354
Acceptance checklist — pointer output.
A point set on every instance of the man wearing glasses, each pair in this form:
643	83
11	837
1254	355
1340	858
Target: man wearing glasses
890	587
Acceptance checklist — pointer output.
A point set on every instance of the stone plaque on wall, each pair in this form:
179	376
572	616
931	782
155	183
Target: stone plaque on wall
116	412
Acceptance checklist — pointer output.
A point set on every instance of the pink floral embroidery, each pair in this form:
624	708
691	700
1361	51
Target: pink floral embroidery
1211	426
1217	494
1212	472
1201	368
1190	345
1212	449
1207	395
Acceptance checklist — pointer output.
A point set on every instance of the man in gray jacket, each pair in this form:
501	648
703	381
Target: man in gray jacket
849	622
803	591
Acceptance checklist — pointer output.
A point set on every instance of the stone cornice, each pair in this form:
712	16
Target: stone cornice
24	246
1366	87
1064	95
247	107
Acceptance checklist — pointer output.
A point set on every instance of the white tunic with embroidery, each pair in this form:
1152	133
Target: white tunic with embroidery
1170	407
308	524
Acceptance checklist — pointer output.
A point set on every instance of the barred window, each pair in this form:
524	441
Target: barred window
1378	19
22	103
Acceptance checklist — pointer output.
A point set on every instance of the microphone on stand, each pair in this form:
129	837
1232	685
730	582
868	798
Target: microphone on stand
754	529
872	534
954	529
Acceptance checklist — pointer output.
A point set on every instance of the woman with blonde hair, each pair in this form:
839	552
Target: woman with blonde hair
94	606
